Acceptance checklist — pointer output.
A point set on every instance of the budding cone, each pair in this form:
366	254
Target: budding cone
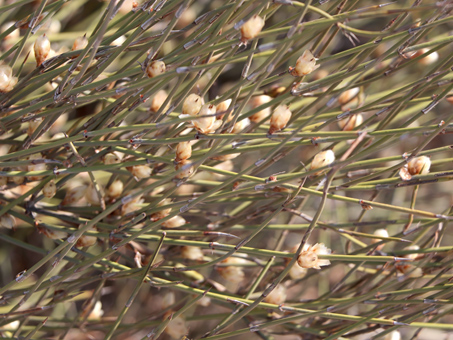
33	125
209	124
162	213
49	189
92	196
141	171
7	221
53	234
168	300
241	125
85	240
252	28
115	189
395	335
223	107
174	222
428	60
322	159
348	95
264	113
158	100
112	158
192	105
75	194
351	122
279	118
42	49
177	328
233	274
132	205
35	167
192	253
80	43
7	81
306	64
187	169
380	233
277	296
183	151
155	68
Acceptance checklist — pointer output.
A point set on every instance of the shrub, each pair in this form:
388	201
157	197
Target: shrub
220	168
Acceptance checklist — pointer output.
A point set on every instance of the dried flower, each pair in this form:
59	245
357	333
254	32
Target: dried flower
168	300
223	107
224	158
277	296
209	124
308	258
74	195
351	122
275	90
240	125
322	159
305	64
115	189
140	171
42	49
15	34
33	125
205	301
279	118
346	96
86	240
162	213
52	233
132	205
35	167
296	272
174	222
158	100
177	328
262	114
187	169
112	158
192	105
379	233
7	81
7	221
251	28
97	311
183	151
416	166
155	68
233	274
49	189
192	253
350	99
394	335
18	179
80	43
92	196
406	268
58	125
425	61
419	165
